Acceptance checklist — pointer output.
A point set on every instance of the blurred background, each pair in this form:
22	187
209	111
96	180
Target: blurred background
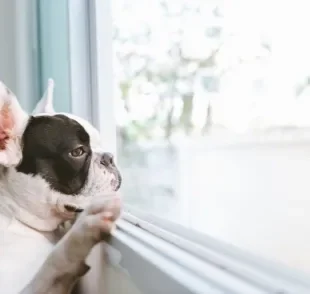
211	106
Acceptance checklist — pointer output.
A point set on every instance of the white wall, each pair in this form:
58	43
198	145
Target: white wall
256	196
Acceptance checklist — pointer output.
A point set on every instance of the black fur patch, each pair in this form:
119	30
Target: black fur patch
47	143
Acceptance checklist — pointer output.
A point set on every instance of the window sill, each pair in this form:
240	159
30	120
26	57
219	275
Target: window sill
146	258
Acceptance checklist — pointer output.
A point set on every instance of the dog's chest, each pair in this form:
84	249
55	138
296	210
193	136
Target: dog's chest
22	252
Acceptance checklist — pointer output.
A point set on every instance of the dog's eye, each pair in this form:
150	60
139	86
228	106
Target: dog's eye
77	152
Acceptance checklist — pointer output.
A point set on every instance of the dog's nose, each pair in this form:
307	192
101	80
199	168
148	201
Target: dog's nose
107	159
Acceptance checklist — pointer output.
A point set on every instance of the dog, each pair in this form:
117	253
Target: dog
53	169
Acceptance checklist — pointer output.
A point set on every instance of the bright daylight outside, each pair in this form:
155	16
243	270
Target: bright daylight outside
213	116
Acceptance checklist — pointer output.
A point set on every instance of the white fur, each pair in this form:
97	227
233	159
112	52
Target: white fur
30	211
46	103
22	252
12	155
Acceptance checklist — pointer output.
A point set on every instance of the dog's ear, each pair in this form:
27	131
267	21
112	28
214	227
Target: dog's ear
13	121
45	105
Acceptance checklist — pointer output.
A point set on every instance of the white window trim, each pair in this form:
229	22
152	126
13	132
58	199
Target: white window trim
231	259
101	33
159	256
208	266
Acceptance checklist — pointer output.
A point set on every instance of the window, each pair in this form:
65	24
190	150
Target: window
212	113
206	105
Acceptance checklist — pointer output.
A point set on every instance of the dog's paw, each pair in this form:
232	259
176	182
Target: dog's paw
92	225
98	218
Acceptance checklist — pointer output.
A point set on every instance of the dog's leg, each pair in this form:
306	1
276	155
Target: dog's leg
66	264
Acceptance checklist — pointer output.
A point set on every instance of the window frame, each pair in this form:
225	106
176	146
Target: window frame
171	232
102	83
142	241
224	269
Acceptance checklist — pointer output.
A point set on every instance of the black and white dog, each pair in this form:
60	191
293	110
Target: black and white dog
52	168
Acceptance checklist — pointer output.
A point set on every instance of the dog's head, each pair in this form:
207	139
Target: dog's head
52	163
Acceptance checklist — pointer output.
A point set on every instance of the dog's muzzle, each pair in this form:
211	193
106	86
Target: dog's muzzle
107	160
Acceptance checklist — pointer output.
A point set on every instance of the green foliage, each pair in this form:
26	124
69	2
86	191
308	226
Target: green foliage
153	56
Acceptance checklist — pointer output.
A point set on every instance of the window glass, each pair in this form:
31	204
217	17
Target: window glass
212	108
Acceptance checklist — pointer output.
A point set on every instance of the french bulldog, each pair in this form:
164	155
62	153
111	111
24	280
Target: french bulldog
53	169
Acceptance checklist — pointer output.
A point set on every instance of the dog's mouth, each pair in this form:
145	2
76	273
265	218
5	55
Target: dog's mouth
68	208
73	208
